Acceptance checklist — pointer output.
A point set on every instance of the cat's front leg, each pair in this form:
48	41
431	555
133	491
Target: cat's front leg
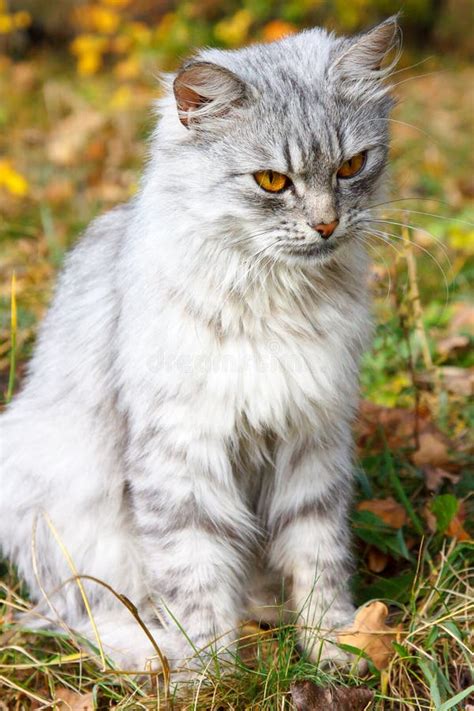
310	538
194	533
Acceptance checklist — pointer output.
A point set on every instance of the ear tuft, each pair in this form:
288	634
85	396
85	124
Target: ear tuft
364	58
204	89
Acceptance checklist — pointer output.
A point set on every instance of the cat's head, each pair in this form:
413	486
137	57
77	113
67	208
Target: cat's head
279	149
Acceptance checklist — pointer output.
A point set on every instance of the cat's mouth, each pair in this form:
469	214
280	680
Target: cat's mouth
310	251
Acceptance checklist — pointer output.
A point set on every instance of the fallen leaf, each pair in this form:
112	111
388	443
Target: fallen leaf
459	381
398	424
463	317
370	634
435	476
256	644
452	344
72	134
306	696
390	511
376	560
432	451
430	518
456	528
69	700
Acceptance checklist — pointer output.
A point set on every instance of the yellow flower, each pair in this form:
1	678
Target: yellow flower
6	24
83	44
128	68
121	98
89	63
21	20
234	30
12	181
104	20
140	33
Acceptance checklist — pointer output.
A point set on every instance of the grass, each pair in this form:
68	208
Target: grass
421	566
432	665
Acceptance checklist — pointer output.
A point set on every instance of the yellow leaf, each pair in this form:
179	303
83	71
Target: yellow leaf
12	181
6	24
370	634
128	68
21	20
234	31
89	64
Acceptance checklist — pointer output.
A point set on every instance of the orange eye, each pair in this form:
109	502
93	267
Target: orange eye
272	181
352	166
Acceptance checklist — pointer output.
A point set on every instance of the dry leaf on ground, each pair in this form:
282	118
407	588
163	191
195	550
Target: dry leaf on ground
433	451
459	381
452	344
390	511
435	476
69	700
306	696
370	634
256	644
72	134
376	560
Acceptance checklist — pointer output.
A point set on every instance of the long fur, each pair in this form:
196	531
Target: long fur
184	428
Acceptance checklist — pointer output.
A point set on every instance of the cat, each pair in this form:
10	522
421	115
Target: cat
184	430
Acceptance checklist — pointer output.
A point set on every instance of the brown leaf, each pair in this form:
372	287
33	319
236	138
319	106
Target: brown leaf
73	701
434	477
71	135
459	381
376	560
306	696
389	510
463	317
432	451
430	518
456	528
256	644
370	634
397	423
452	344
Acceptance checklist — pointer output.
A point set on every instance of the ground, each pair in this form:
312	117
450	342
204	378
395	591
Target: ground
72	145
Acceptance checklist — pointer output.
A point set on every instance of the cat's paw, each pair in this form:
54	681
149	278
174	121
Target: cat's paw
325	652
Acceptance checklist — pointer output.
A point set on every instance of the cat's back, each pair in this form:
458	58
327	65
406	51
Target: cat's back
75	346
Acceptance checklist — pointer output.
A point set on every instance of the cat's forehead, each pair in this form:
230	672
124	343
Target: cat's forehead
296	61
300	116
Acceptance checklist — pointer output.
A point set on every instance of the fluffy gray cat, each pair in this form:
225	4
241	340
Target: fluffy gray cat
184	431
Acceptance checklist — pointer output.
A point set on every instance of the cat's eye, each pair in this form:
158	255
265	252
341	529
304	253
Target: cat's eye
271	181
351	167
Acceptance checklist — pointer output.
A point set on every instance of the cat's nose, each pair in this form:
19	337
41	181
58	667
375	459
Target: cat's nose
325	229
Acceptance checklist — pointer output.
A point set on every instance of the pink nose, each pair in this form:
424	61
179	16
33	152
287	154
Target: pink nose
325	229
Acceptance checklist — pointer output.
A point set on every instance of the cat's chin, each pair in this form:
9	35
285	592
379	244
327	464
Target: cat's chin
310	254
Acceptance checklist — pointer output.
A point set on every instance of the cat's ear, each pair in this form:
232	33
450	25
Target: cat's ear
205	90
364	57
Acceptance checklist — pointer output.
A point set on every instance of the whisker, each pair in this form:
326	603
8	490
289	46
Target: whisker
432	214
430	255
365	240
437	240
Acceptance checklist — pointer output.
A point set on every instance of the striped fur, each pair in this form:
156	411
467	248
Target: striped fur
185	426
